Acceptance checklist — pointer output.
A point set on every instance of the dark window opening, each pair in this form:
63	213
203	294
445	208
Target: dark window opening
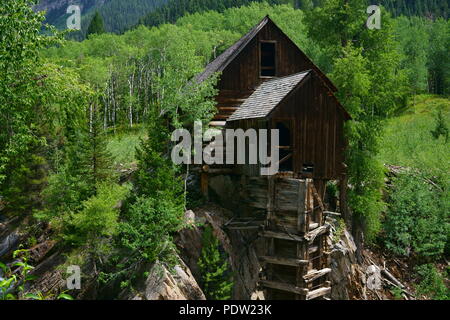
268	59
286	150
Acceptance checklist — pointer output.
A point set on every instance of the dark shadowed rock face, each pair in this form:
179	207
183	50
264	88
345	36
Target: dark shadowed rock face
9	243
241	247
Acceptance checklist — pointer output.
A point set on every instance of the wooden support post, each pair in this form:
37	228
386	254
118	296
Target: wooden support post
204	184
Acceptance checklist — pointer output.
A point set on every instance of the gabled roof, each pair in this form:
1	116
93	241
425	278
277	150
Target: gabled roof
267	96
223	60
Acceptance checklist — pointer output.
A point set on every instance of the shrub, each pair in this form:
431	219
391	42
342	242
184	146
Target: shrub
416	220
148	226
213	265
432	283
441	128
99	216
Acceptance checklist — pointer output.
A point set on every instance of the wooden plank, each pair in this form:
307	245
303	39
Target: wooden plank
312	235
221	117
283	261
231	109
284	287
329	213
236	227
313	226
217	123
315	274
318	293
282	236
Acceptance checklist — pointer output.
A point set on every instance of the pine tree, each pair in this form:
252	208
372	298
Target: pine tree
216	282
88	162
96	26
96	160
441	128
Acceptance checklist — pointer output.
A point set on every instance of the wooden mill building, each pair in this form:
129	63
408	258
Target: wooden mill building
267	82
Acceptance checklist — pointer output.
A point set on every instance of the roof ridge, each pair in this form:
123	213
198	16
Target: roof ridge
221	61
287	76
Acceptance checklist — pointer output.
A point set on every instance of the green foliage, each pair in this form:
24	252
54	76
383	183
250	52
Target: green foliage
156	175
439	59
428	8
432	283
340	230
122	146
371	86
95	160
397	293
98	217
216	280
146	231
15	278
118	15
441	128
417	218
96	26
408	142
175	9
84	164
22	101
413	43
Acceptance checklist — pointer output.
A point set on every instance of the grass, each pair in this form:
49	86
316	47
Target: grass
122	146
408	140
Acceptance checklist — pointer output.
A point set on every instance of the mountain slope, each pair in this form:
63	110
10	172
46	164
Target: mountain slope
425	8
118	15
174	9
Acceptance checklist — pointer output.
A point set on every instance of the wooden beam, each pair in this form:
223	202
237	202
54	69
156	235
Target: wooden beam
318	293
315	274
283	287
312	235
283	261
329	213
221	117
282	236
228	108
217	123
235	227
204	184
313	226
319	200
286	158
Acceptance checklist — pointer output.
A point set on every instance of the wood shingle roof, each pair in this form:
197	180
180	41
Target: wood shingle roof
267	96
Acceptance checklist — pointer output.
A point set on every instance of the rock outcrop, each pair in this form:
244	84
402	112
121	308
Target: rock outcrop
164	284
343	265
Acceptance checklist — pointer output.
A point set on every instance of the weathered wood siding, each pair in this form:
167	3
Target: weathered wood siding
318	136
242	75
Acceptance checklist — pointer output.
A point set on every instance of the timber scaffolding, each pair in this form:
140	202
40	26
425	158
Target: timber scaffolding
295	261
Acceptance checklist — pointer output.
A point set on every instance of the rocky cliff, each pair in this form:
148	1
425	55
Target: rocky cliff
160	282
